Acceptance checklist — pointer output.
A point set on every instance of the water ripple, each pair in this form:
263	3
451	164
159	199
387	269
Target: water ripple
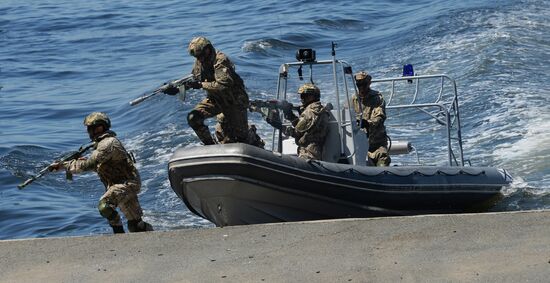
61	60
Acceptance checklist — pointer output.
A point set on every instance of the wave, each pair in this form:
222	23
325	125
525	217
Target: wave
341	24
266	45
63	60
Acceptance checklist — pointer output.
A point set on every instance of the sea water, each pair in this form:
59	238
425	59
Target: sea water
60	60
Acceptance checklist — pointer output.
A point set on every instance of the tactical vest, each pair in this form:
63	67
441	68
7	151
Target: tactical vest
314	120
222	68
119	167
367	108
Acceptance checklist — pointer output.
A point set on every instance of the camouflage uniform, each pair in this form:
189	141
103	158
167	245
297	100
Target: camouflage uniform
310	129
372	109
116	170
252	137
226	99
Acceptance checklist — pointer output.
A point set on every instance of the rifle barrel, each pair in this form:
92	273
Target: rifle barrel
144	97
33	178
178	82
74	155
27	182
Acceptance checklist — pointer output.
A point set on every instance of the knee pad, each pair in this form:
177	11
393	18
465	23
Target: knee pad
106	210
384	160
195	118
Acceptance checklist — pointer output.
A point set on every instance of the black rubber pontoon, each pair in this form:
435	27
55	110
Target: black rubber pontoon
237	184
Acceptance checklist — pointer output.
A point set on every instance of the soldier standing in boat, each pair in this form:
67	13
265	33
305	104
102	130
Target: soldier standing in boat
370	109
116	169
310	128
226	97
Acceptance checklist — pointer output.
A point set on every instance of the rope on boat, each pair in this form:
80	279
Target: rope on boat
388	172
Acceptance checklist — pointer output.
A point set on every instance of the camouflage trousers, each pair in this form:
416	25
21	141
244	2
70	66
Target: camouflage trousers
232	122
252	137
311	151
378	155
123	196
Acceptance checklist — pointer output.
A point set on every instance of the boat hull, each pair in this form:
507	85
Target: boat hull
237	184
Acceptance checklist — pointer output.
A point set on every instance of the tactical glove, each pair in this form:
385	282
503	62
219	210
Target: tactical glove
273	119
171	89
286	106
55	166
276	124
193	85
290	116
287	110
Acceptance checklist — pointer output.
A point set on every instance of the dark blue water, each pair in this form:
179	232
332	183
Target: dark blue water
60	60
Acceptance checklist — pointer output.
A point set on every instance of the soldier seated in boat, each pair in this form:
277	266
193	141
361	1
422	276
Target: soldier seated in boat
116	169
370	109
310	128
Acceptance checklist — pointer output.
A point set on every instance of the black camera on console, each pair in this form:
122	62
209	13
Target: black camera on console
305	55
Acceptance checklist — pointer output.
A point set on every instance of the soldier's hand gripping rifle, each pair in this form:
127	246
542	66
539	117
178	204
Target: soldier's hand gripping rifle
68	157
270	111
264	106
187	82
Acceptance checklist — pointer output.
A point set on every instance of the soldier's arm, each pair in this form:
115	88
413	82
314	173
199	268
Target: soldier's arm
378	115
299	126
358	109
305	122
291	132
223	73
103	152
81	165
295	121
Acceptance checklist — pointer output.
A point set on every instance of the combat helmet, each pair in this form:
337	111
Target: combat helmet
96	119
198	45
309	88
362	77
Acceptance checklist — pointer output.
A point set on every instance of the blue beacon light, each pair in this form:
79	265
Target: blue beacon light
408	71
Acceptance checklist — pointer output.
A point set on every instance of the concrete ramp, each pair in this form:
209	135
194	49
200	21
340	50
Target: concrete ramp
491	247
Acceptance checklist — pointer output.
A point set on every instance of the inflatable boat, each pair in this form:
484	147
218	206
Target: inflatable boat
238	184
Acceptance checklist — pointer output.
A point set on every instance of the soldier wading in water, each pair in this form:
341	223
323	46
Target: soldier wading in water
116	169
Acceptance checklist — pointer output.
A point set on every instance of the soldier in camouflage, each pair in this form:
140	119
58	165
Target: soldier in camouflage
226	97
116	169
310	128
370	108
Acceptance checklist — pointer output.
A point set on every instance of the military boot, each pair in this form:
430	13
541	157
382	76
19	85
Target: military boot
139	226
204	135
118	229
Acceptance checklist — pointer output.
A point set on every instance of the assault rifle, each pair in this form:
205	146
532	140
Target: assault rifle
68	157
260	106
178	83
